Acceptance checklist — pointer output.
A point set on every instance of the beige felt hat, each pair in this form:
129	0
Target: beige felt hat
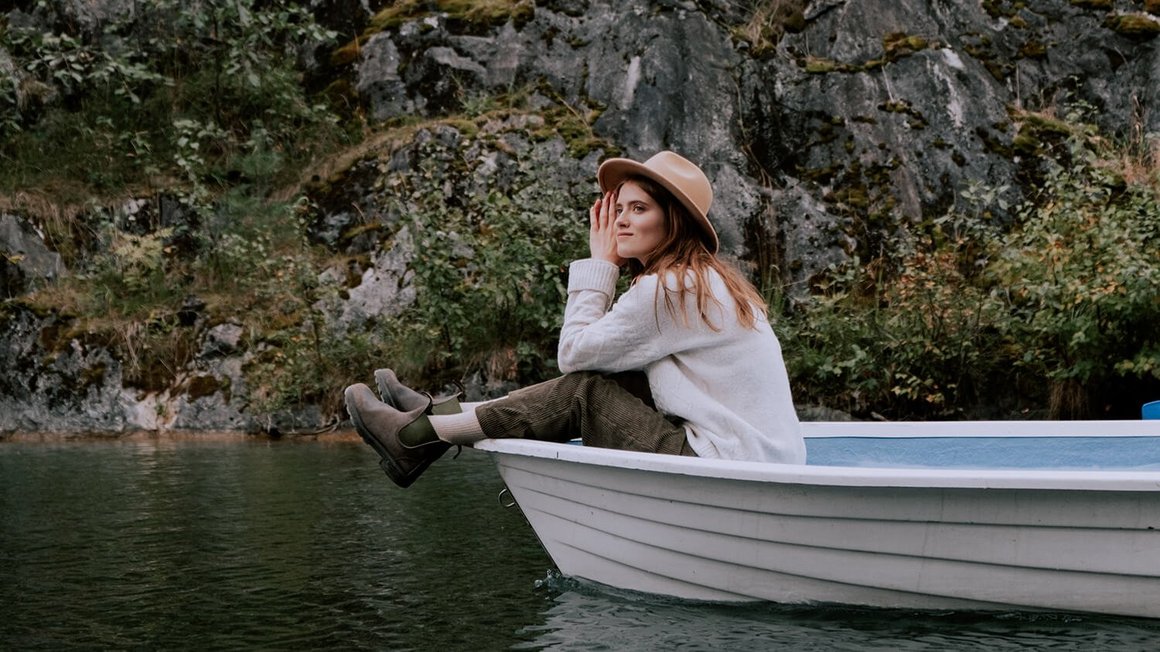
678	175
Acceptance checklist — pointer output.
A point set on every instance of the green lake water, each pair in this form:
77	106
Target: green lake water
230	542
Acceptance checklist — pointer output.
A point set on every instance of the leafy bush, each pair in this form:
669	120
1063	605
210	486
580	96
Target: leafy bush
488	269
170	88
1080	280
1055	315
489	273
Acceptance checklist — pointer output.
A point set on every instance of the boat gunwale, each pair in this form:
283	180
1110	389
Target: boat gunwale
858	476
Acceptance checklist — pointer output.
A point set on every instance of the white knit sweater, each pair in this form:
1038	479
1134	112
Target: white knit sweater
730	386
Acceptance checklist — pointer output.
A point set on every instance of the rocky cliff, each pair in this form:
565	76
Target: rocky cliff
826	126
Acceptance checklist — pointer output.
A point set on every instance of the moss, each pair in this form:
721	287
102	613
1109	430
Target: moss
1137	26
360	229
94	375
1045	125
895	45
1001	8
915	119
478	14
898	44
1033	49
575	129
999	70
349	53
465	126
992	143
819	66
489	12
1027	142
395	14
855	197
202	386
1095	5
820	175
1037	131
770	20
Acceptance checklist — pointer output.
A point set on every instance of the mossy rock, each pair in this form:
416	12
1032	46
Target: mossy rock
819	66
397	13
899	44
202	386
90	376
348	53
1136	26
1037	131
1033	49
1044	125
1095	5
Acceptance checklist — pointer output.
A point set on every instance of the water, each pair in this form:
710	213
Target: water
221	542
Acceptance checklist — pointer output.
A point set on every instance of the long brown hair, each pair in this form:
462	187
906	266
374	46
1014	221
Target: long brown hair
683	251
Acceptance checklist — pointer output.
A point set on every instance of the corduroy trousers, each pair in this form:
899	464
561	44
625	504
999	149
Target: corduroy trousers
606	411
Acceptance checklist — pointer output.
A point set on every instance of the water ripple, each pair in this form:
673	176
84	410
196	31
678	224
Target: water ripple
228	543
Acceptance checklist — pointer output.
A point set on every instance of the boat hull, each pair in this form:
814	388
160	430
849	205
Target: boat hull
907	538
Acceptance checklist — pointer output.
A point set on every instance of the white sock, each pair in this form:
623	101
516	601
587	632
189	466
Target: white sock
461	429
468	406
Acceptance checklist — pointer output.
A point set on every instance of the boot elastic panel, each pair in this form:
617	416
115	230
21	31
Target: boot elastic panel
417	433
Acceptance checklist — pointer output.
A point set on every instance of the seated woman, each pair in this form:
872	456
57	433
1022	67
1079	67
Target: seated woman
692	324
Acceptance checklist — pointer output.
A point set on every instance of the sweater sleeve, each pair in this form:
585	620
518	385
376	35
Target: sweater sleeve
636	331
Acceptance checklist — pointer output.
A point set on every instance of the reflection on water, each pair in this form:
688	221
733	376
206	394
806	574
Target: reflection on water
234	543
229	542
585	617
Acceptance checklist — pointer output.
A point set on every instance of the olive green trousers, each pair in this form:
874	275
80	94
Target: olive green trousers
605	411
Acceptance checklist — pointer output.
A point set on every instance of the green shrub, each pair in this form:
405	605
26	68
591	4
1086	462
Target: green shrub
1051	317
489	274
121	110
1080	280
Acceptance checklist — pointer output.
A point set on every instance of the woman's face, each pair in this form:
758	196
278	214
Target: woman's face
640	223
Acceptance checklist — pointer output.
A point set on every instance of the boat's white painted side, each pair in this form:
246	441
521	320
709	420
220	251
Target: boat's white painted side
914	538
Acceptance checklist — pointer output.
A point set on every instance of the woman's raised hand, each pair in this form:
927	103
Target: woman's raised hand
602	234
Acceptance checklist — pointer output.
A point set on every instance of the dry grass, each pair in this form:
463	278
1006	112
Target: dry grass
769	21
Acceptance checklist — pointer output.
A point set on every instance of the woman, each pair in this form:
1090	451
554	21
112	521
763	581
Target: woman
696	328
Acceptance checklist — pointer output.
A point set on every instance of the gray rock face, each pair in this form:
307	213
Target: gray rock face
864	118
57	380
25	261
869	116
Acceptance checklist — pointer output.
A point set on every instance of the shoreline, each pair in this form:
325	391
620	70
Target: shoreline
338	435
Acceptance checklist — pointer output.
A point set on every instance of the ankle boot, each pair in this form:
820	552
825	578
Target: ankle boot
386	428
401	397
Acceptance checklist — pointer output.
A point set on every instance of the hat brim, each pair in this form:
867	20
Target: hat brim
614	171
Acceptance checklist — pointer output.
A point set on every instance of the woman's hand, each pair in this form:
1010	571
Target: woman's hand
602	234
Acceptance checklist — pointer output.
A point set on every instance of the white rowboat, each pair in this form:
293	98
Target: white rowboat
1011	515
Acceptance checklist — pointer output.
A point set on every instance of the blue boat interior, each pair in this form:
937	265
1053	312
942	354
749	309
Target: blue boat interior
1057	453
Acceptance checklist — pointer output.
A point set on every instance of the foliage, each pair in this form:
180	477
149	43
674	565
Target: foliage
1080	279
489	274
965	316
170	89
488	269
